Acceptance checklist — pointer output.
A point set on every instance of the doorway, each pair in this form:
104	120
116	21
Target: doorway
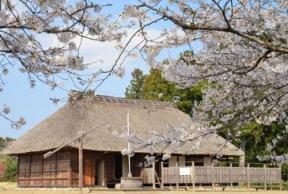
118	166
93	172
89	172
99	175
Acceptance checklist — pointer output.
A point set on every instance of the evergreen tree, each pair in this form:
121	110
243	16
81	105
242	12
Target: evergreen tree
154	86
135	89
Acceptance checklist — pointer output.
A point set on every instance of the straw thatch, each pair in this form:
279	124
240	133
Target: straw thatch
145	116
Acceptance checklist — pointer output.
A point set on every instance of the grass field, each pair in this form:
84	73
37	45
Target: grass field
10	188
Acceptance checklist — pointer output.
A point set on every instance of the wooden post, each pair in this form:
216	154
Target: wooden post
55	184
231	181
162	184
71	169
193	175
248	174
265	177
212	175
153	174
30	173
81	164
18	170
128	145
281	181
177	176
42	171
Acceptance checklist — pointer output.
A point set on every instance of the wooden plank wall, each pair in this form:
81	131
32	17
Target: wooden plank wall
34	171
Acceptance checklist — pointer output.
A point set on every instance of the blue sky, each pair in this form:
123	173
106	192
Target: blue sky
34	104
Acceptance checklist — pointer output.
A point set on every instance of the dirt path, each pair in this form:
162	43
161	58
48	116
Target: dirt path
10	188
25	191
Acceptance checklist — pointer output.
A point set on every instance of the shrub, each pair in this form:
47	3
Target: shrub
11	169
284	170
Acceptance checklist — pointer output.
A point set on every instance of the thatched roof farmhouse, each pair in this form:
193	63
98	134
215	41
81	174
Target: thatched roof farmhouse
101	145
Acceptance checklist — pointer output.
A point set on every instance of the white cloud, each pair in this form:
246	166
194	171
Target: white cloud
102	55
107	52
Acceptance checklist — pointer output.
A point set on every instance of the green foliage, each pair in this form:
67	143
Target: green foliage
284	170
11	169
255	138
5	141
135	89
153	86
157	88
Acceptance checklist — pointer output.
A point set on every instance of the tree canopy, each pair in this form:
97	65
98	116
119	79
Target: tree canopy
5	141
154	86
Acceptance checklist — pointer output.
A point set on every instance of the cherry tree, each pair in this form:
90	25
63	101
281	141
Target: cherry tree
25	23
239	46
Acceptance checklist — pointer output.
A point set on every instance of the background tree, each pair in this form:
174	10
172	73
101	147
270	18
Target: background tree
135	89
5	141
154	86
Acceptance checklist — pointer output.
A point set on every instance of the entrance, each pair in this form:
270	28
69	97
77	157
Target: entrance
99	175
93	172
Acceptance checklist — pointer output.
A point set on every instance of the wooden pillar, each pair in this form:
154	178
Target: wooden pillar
30	177
265	177
193	175
42	171
242	161
71	169
212	175
177	175
56	162
153	175
18	170
248	174
281	181
81	164
162	183
231	180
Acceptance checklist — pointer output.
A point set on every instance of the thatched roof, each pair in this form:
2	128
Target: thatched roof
145	116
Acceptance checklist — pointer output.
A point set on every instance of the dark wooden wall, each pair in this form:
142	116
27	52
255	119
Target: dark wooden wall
61	169
34	171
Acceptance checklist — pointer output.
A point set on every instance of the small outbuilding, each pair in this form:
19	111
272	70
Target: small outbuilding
103	164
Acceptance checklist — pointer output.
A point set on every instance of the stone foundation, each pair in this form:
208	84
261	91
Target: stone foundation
131	183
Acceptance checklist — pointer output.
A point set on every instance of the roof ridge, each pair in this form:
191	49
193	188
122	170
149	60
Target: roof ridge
132	101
